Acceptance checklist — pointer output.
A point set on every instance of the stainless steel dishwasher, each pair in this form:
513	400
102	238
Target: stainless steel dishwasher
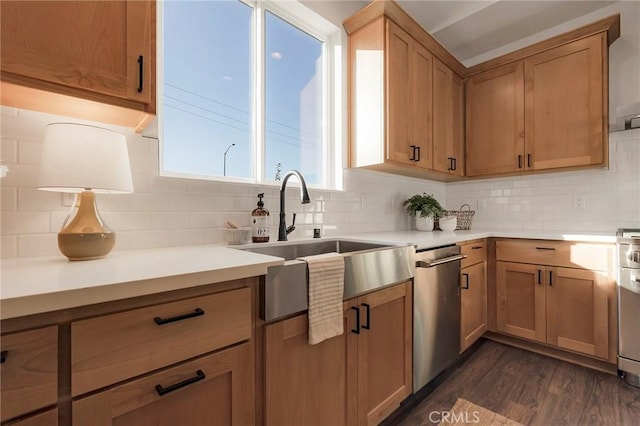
436	312
629	305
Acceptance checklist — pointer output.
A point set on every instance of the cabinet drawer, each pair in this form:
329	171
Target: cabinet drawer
597	257
216	389
111	348
476	252
29	371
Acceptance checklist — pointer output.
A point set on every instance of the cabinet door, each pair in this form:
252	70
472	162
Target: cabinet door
444	118
399	108
578	303
474	304
217	389
565	98
384	352
421	92
94	46
495	121
521	300
309	384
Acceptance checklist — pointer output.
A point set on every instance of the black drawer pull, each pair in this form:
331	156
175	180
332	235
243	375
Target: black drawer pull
368	325
3	356
466	277
550	278
141	75
161	321
357	329
545	248
476	247
199	376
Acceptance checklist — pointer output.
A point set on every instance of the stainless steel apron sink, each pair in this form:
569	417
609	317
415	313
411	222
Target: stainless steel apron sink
367	266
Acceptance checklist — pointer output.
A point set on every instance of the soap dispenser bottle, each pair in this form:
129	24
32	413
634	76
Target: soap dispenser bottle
260	223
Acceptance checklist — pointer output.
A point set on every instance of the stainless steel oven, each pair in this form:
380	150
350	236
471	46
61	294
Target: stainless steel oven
629	305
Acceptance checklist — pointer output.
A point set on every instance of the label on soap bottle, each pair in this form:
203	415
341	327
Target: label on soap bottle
260	227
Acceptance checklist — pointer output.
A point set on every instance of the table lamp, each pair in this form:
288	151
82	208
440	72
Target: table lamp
85	160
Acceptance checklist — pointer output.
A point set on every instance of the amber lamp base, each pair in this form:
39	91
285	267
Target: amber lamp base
86	236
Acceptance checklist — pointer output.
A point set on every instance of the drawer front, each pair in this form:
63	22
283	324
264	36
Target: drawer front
597	257
29	371
476	252
216	389
112	348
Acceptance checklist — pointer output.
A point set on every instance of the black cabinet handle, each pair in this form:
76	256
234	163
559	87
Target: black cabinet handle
141	73
450	163
476	247
413	153
539	276
545	248
368	325
455	163
199	376
418	151
357	329
196	313
466	277
550	278
3	356
519	161
528	160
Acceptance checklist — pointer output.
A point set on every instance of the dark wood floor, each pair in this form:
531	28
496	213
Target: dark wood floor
530	389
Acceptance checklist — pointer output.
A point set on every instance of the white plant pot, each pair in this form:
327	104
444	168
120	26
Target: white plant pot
424	223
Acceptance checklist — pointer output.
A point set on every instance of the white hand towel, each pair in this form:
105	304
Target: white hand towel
326	288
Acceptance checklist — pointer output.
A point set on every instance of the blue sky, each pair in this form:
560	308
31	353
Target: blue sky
208	90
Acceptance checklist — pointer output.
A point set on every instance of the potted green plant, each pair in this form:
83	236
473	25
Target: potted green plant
425	208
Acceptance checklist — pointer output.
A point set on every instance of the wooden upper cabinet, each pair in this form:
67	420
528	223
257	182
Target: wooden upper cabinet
399	107
99	51
566	105
421	117
448	120
495	121
409	99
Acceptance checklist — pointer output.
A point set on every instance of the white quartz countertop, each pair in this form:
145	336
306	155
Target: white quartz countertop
427	240
35	285
42	284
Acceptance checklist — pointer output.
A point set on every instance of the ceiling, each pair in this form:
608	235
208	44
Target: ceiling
469	29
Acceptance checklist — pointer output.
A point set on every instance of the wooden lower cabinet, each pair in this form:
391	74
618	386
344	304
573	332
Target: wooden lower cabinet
384	352
307	384
473	304
358	378
565	307
48	418
216	389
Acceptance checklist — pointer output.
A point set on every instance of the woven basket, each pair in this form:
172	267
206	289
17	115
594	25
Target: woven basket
465	217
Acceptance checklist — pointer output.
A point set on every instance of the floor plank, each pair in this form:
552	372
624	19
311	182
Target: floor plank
530	389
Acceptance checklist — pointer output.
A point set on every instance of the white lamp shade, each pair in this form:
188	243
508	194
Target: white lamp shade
76	157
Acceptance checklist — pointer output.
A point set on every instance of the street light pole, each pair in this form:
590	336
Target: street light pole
224	165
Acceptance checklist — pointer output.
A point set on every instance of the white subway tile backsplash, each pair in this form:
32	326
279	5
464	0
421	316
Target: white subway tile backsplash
8	246
24	222
8	150
165	211
8	199
38	245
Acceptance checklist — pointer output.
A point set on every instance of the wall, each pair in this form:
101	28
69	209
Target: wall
549	201
165	212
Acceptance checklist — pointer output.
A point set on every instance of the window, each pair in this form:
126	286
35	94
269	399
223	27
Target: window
246	92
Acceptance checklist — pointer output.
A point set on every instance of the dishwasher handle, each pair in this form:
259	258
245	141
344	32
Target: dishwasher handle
432	263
